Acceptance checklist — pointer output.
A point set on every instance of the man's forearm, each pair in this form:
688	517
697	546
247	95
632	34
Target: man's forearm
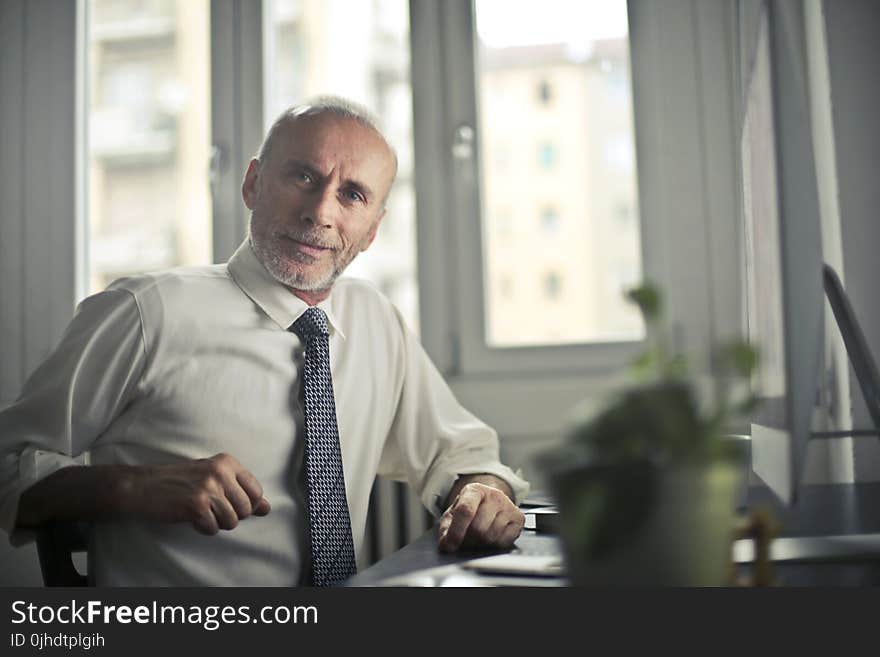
487	479
77	493
211	493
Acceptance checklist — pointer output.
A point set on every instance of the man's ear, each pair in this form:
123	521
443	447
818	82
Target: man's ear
250	186
372	234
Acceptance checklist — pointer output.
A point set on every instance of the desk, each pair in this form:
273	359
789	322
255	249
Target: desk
421	564
820	509
826	509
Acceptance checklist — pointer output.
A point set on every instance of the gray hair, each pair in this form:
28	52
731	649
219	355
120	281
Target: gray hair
335	105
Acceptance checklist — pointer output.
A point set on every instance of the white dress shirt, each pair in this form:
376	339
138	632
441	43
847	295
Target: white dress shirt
191	362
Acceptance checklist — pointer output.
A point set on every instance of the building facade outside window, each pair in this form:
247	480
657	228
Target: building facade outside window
556	84
148	113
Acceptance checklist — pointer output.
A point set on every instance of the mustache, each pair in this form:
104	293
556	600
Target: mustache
311	239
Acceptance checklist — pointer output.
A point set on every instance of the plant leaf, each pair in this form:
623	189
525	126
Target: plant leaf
645	364
747	406
739	356
647	298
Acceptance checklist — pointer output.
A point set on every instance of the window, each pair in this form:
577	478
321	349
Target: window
656	80
505	287
552	286
622	212
616	82
303	58
502	224
549	220
547	156
618	152
545	92
501	156
148	111
578	45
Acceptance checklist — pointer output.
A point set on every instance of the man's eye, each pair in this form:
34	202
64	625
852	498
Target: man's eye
353	195
302	176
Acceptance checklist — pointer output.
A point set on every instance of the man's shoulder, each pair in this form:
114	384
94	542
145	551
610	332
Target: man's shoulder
178	280
180	293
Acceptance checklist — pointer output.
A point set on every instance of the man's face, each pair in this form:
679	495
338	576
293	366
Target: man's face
318	200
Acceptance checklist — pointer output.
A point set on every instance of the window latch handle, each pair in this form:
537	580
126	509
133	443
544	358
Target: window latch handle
216	164
463	143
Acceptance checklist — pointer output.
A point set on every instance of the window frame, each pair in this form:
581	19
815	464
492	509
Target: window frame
687	210
40	232
236	114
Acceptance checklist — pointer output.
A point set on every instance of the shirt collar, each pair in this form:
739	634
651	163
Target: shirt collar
273	298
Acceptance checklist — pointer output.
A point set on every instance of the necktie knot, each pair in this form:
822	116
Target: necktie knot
311	323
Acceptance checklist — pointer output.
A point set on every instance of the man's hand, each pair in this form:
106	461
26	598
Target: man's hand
212	494
480	514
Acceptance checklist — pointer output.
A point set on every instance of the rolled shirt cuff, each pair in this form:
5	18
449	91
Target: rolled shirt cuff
28	467
440	482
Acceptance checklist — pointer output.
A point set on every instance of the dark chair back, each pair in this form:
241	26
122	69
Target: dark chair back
57	541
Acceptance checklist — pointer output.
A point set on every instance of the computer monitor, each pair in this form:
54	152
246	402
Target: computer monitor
856	348
783	247
785	273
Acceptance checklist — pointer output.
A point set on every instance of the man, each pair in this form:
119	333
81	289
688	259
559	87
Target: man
214	396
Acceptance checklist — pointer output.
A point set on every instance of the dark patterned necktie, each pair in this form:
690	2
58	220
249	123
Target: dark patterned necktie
332	547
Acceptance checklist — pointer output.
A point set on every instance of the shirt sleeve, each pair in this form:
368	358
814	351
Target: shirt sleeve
70	399
434	439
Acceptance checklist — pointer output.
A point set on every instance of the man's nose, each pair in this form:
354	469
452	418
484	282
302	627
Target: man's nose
321	208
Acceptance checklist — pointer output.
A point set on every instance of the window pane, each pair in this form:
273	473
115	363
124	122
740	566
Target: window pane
557	143
358	50
149	136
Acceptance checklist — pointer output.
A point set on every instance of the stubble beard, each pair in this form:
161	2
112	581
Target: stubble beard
290	270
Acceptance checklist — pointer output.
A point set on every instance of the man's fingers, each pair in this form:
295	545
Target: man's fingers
446	518
263	507
481	515
481	525
250	485
226	516
211	493
493	533
219	512
509	535
461	514
239	499
205	522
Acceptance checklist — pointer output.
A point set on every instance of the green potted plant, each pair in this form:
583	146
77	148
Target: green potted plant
646	487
